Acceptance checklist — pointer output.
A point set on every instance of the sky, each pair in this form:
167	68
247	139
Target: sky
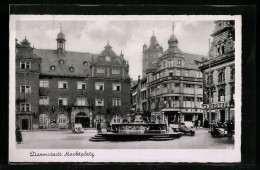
126	35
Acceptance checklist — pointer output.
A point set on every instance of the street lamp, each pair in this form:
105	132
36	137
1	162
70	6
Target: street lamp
209	86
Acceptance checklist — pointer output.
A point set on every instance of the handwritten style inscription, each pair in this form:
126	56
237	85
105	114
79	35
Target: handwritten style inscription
68	153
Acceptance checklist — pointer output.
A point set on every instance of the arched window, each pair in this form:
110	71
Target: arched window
221	95
62	119
116	118
43	119
221	76
61	61
52	67
232	74
71	69
85	63
99	118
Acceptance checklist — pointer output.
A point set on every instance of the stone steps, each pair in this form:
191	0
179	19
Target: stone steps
98	138
161	138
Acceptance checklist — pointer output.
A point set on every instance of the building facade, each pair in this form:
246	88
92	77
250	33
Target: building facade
56	88
174	85
150	54
139	95
219	74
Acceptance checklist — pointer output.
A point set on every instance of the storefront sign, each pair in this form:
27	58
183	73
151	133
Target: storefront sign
215	105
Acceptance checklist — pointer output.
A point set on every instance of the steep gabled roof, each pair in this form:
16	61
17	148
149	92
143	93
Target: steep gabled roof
190	60
71	59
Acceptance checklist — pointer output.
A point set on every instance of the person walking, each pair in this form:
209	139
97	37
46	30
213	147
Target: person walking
18	135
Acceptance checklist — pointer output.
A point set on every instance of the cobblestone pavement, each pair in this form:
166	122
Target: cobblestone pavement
68	140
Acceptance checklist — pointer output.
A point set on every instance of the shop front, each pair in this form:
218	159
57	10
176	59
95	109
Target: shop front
219	112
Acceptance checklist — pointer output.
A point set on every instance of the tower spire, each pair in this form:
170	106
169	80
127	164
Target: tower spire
173	26
60	27
153	32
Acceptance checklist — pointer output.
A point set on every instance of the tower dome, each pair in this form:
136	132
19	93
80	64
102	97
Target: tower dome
60	41
60	36
173	37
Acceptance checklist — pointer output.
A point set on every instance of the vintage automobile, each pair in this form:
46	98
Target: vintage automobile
174	126
186	127
77	128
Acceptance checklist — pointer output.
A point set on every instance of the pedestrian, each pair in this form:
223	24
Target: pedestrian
199	123
196	123
98	126
18	135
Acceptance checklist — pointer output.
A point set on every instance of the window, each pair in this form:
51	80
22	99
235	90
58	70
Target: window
44	100
164	64
197	74
186	73
61	61
178	73
221	76
62	119
189	85
25	107
221	95
44	83
116	118
200	86
188	98
170	63
100	70
165	88
116	102
85	63
25	65
99	86
99	118
43	118
115	71
99	102
199	99
63	101
81	102
62	85
71	69
81	86
25	89
232	74
177	84
52	67
178	62
116	87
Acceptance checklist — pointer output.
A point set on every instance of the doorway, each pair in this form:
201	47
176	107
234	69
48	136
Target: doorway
83	119
222	115
25	124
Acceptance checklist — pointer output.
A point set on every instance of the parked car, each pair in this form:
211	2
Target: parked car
175	127
186	127
77	128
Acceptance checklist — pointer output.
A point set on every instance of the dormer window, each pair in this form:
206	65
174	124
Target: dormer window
52	67
71	69
85	63
25	65
61	61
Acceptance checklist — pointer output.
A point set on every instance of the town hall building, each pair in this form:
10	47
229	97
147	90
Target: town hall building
56	88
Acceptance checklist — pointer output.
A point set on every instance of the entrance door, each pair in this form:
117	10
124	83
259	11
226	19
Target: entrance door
25	124
222	115
83	119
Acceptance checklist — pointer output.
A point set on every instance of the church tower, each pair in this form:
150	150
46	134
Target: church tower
61	42
150	54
